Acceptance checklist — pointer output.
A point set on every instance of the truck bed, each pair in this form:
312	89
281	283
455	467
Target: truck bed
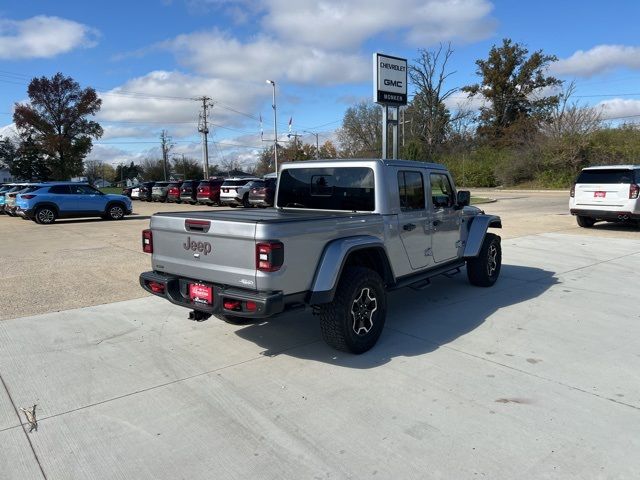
265	216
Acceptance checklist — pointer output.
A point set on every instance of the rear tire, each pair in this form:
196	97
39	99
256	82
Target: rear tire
354	320
484	270
45	215
585	222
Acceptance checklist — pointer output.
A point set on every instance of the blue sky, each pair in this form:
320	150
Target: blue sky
148	58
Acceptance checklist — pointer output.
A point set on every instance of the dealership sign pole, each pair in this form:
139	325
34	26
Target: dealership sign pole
390	91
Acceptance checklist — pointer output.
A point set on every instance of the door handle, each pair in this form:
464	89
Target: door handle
436	223
408	227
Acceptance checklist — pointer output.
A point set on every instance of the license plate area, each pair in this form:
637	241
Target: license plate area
599	194
200	293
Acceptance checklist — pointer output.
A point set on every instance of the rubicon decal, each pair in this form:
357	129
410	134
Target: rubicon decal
201	247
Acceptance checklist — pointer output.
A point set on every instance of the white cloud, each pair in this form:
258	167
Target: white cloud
217	54
8	131
42	37
337	24
619	107
599	59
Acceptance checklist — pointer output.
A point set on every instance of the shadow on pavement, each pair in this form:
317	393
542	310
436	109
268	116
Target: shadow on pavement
418	322
98	219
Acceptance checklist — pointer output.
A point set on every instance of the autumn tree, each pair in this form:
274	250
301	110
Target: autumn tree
328	150
99	170
57	118
516	87
361	131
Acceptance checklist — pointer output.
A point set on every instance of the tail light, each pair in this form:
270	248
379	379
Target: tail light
147	241
572	192
269	256
156	287
174	191
634	190
29	197
204	190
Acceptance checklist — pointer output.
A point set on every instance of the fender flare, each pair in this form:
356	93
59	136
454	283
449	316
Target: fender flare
477	231
332	262
46	204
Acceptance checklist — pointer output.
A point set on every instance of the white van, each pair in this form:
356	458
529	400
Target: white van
608	193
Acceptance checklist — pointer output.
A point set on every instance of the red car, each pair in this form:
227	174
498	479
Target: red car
173	192
209	191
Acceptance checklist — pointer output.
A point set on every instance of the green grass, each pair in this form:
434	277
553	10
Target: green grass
116	190
479	200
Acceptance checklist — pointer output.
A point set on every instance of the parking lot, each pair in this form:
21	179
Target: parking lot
537	377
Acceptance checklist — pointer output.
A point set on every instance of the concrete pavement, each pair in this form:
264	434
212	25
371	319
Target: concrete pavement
537	377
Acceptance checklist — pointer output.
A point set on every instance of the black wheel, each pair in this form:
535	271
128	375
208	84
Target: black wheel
232	205
45	215
585	222
115	211
483	271
354	320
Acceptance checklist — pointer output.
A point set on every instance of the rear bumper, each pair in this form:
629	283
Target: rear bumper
25	213
610	215
258	202
173	199
176	290
230	201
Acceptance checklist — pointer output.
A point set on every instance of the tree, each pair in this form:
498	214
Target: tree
99	170
8	152
515	86
56	117
361	132
124	172
153	169
427	116
328	150
28	162
189	168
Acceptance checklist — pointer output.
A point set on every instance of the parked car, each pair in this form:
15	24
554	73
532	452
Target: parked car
126	191
10	198
173	192
263	195
610	193
229	194
159	191
209	191
145	191
3	190
51	201
189	191
135	193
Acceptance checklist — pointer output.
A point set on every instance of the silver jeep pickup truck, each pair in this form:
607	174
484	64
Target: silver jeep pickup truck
342	234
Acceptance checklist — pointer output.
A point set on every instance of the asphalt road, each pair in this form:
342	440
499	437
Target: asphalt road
536	377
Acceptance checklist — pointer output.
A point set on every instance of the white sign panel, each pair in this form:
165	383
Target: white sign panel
389	80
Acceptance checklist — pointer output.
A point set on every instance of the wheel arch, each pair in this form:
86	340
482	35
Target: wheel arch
477	230
45	203
363	251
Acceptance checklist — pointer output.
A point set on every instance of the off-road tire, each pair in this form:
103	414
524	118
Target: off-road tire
585	222
45	215
338	319
484	270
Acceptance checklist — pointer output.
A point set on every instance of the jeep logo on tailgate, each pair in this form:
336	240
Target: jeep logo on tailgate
202	247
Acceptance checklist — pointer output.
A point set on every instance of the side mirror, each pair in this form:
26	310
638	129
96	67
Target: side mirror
464	198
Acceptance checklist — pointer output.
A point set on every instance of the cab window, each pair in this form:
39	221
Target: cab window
442	194
411	191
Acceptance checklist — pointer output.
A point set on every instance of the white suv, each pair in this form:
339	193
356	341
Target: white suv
609	193
229	194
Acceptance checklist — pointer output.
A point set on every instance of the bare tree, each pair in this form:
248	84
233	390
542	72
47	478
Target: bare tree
571	118
428	115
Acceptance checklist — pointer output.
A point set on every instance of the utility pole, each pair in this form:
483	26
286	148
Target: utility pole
165	143
275	125
317	142
203	128
295	144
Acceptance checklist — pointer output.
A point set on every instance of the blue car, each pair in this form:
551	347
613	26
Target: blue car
49	201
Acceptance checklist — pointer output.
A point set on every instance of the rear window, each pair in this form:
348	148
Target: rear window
203	184
613	175
339	188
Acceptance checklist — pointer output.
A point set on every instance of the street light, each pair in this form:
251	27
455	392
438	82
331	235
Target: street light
317	142
275	125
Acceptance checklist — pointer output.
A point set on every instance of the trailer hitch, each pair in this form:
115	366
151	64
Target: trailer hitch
198	316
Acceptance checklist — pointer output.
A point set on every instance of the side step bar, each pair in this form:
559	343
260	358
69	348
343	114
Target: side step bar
419	281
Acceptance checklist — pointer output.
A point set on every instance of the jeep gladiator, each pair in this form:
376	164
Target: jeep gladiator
342	234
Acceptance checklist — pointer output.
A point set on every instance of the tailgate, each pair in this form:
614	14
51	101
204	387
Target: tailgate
215	251
602	195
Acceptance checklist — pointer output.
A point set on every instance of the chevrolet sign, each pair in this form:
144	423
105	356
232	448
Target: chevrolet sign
389	80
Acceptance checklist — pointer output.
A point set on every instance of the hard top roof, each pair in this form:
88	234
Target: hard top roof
388	162
613	167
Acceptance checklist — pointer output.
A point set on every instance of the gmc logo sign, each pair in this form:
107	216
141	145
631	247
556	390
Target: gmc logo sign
393	83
